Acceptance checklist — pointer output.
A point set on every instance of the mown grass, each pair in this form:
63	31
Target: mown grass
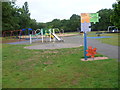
0	65
113	40
59	68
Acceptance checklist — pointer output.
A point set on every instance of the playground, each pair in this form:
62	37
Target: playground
50	58
62	63
59	44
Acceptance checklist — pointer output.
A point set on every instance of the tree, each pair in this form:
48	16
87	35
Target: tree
24	16
13	17
42	25
104	20
67	25
115	17
74	22
54	23
63	24
33	24
7	16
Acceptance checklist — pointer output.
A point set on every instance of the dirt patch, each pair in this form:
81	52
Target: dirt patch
74	82
24	62
48	62
50	52
96	58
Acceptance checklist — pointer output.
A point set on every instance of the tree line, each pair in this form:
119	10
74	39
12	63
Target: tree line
14	18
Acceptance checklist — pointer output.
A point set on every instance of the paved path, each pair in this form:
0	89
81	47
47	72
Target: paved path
105	49
77	41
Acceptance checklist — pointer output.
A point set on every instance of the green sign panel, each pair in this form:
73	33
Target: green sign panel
94	17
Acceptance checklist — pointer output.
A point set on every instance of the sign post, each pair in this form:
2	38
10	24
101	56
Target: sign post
85	45
85	23
86	18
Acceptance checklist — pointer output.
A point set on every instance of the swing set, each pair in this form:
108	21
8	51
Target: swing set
17	34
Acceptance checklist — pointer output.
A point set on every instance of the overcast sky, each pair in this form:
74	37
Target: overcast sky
47	10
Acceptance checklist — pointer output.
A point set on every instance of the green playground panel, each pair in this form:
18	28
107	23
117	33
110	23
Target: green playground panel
94	17
45	31
36	34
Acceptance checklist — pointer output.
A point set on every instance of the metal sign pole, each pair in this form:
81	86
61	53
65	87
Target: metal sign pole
85	45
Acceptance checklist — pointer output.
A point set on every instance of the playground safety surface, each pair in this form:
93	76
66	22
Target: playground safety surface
53	45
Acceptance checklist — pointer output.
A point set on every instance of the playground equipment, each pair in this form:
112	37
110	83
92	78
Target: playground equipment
30	34
46	33
112	29
12	33
22	33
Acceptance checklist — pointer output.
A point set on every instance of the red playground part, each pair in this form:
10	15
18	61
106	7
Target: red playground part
91	52
11	32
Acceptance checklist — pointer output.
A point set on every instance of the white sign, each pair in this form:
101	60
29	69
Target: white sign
85	27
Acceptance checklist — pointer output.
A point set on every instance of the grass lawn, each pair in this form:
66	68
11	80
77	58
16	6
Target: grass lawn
0	64
59	68
114	40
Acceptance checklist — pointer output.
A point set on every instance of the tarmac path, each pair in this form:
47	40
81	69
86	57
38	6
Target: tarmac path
102	48
77	41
